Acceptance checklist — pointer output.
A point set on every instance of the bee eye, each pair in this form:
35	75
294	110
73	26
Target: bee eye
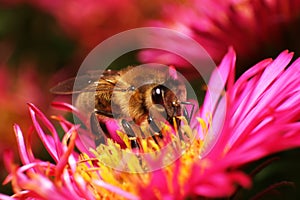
157	94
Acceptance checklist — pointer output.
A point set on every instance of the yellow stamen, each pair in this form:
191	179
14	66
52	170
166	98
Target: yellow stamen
111	154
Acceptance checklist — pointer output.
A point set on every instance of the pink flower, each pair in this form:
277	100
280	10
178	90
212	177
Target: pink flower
262	117
255	28
262	107
63	179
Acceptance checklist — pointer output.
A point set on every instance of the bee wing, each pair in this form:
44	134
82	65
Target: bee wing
85	83
67	87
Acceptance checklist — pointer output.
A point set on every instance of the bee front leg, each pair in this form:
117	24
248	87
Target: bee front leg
154	127
131	135
178	122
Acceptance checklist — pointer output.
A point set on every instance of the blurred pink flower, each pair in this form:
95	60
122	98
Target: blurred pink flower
90	22
253	27
262	117
17	87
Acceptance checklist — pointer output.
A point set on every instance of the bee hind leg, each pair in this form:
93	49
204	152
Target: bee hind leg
97	130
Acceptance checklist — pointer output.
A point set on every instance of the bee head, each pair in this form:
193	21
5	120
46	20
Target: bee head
166	101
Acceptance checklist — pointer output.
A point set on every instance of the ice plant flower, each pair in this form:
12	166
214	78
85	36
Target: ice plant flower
262	117
255	28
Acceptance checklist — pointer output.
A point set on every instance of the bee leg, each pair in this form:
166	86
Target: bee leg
154	127
131	135
97	130
186	115
178	121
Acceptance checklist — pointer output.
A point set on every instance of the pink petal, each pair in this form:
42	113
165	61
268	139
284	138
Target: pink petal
5	197
70	108
64	158
115	189
217	82
53	150
21	145
270	73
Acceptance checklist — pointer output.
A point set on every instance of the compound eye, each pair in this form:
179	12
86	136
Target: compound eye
158	94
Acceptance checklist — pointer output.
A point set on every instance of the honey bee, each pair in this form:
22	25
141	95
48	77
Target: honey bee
139	98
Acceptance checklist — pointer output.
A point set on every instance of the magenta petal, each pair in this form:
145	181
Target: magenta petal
215	133
115	190
175	179
47	144
64	158
66	125
270	73
5	197
217	82
253	71
70	108
68	182
158	182
45	187
82	188
112	127
21	145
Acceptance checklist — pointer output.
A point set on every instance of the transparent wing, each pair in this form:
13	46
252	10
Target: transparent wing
90	82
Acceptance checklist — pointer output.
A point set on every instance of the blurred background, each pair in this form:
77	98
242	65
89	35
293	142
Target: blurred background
43	42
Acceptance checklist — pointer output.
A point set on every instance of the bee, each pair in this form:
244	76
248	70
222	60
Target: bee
139	98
